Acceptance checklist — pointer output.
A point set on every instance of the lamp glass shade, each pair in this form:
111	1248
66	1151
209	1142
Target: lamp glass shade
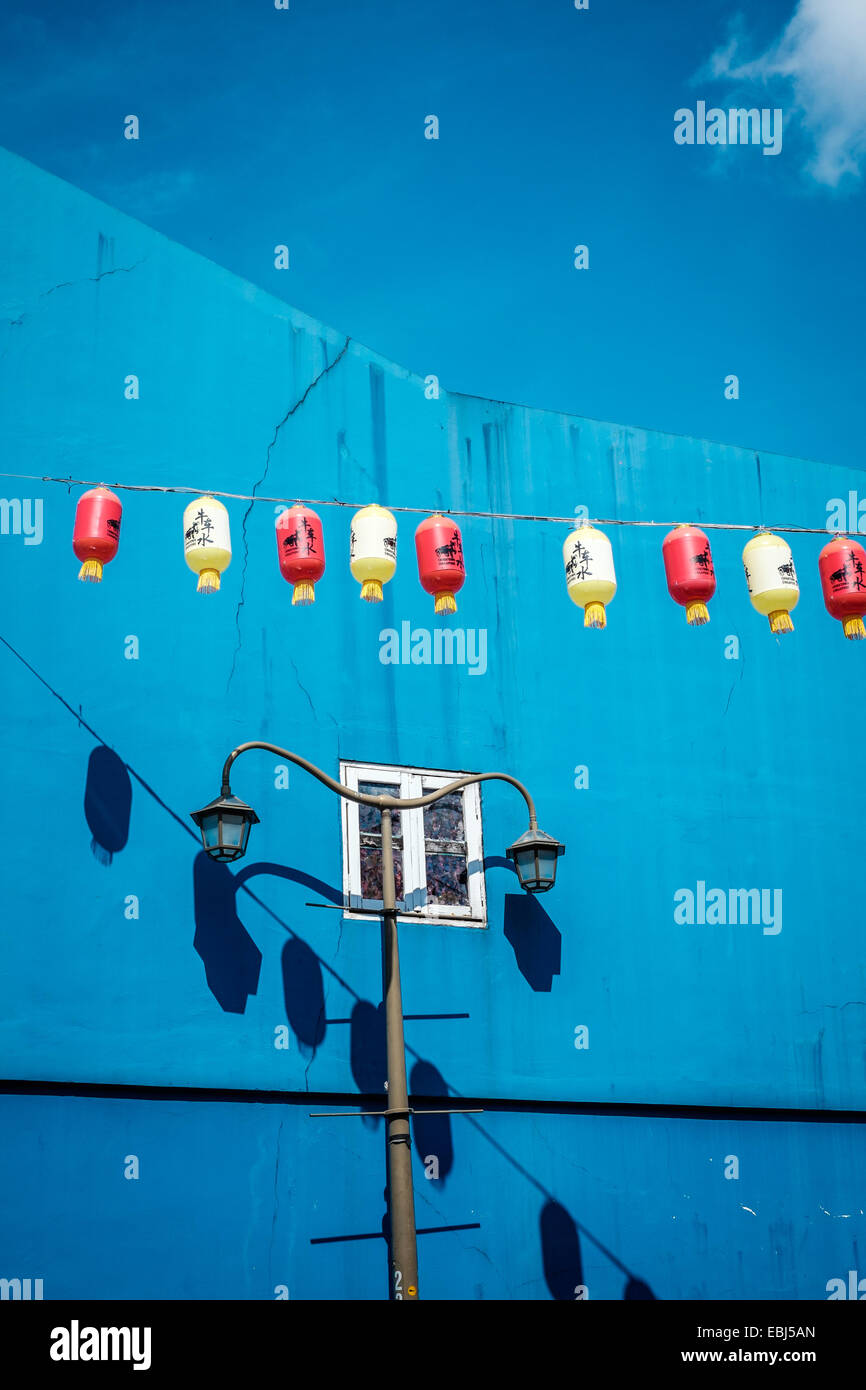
535	855
210	831
545	861
235	830
225	827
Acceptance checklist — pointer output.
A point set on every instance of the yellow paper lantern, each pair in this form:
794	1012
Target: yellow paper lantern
589	573
207	546
373	550
771	579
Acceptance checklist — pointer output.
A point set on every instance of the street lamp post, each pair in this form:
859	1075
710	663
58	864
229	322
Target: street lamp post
404	1246
225	827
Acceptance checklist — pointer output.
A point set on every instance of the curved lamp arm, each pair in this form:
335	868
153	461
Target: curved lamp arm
393	803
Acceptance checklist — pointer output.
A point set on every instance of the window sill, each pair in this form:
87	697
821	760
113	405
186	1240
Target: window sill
419	918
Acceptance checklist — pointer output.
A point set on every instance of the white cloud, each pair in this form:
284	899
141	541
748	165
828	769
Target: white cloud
821	56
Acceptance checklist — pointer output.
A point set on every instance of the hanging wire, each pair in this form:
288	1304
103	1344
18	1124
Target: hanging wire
69	483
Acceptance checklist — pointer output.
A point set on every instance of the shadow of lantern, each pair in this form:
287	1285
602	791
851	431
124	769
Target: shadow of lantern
107	803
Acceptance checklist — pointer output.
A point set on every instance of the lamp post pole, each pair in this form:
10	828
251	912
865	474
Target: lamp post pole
227	811
404	1248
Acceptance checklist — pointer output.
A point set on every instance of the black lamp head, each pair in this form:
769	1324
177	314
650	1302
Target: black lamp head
225	827
535	855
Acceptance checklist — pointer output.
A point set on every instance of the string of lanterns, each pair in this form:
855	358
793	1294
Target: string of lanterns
590	577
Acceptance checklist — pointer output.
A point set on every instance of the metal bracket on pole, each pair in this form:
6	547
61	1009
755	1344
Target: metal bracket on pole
384	1114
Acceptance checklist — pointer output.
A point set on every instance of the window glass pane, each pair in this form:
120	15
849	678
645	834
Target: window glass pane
445	846
368	816
447	880
371	873
444	819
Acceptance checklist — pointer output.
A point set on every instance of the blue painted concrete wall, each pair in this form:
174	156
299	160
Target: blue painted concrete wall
259	1201
735	773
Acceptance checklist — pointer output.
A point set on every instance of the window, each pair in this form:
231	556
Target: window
438	854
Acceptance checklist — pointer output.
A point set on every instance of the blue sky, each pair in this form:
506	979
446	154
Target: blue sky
455	256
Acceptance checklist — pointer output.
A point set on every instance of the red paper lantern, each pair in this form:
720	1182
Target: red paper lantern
440	561
301	550
842	565
689	570
96	534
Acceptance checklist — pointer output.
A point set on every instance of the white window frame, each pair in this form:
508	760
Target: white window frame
411	782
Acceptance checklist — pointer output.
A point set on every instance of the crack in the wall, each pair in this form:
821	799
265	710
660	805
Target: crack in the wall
301	686
321	1023
481	1252
66	284
329	367
737	681
276	1199
312	1056
422	1195
861	1003
69	284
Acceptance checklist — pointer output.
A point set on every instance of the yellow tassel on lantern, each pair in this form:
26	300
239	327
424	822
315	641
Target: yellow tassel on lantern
91	572
781	621
371	591
445	603
594	615
208	582
697	614
304	594
854	629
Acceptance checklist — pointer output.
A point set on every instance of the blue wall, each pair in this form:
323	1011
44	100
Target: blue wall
736	773
251	1200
